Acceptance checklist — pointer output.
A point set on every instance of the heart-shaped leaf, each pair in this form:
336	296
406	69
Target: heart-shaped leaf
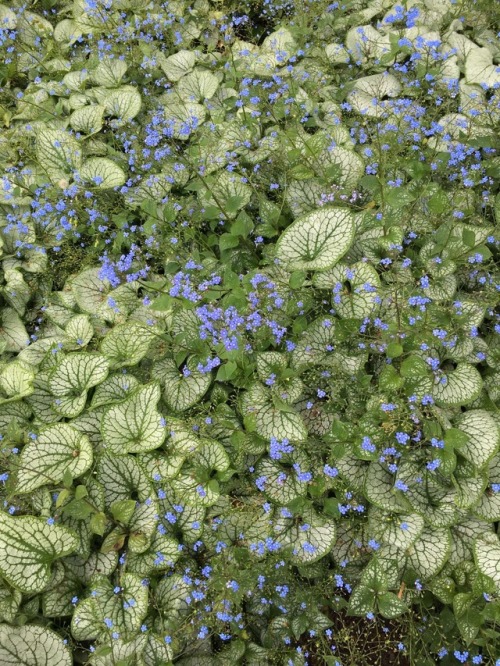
103	173
178	64
182	389
123	103
58	153
134	425
76	373
317	240
58	450
126	344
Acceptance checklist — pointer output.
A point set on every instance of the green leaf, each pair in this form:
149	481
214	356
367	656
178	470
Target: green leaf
58	450
32	645
317	240
228	241
414	367
469	237
394	350
242	226
361	601
77	509
389	379
103	173
122	510
28	546
98	523
134	425
455	438
126	344
398	197
390	606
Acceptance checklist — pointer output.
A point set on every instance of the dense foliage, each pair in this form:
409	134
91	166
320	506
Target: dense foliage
250	372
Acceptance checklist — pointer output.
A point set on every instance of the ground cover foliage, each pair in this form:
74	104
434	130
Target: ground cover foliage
250	369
